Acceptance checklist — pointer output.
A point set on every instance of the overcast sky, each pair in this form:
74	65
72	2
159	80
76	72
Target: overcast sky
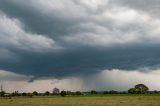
79	44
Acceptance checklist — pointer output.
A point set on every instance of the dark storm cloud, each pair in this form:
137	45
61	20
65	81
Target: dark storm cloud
88	61
59	38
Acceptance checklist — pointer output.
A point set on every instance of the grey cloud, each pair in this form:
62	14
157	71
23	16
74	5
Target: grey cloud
34	20
10	76
148	6
12	35
56	23
94	36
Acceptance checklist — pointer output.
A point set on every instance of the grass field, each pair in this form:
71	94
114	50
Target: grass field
99	100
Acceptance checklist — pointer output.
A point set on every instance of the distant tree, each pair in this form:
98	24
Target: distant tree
78	93
2	93
113	92
24	94
15	93
132	91
141	88
93	92
105	92
47	93
63	93
73	93
68	93
56	91
35	93
156	92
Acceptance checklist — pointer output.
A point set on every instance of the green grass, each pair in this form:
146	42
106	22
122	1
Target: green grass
88	100
122	95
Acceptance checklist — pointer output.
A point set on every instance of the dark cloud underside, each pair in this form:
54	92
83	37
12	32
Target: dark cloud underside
59	38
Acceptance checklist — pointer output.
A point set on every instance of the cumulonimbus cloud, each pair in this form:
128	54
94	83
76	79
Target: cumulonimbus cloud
61	38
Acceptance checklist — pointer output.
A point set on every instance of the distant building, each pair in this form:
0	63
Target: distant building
56	91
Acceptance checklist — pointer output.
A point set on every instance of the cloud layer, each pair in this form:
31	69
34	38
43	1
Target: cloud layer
59	38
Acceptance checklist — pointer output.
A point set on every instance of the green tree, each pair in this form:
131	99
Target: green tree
47	93
68	92
93	92
24	94
141	88
113	92
2	93
15	93
132	91
35	93
106	92
78	93
63	93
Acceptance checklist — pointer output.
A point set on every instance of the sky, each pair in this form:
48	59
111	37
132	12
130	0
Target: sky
79	44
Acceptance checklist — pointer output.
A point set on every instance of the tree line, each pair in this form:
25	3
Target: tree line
137	89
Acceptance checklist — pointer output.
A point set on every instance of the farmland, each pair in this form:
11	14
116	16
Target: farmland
94	100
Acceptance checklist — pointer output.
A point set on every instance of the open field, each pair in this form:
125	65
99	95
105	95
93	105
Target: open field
110	100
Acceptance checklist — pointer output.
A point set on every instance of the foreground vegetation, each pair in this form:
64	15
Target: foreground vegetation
85	100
